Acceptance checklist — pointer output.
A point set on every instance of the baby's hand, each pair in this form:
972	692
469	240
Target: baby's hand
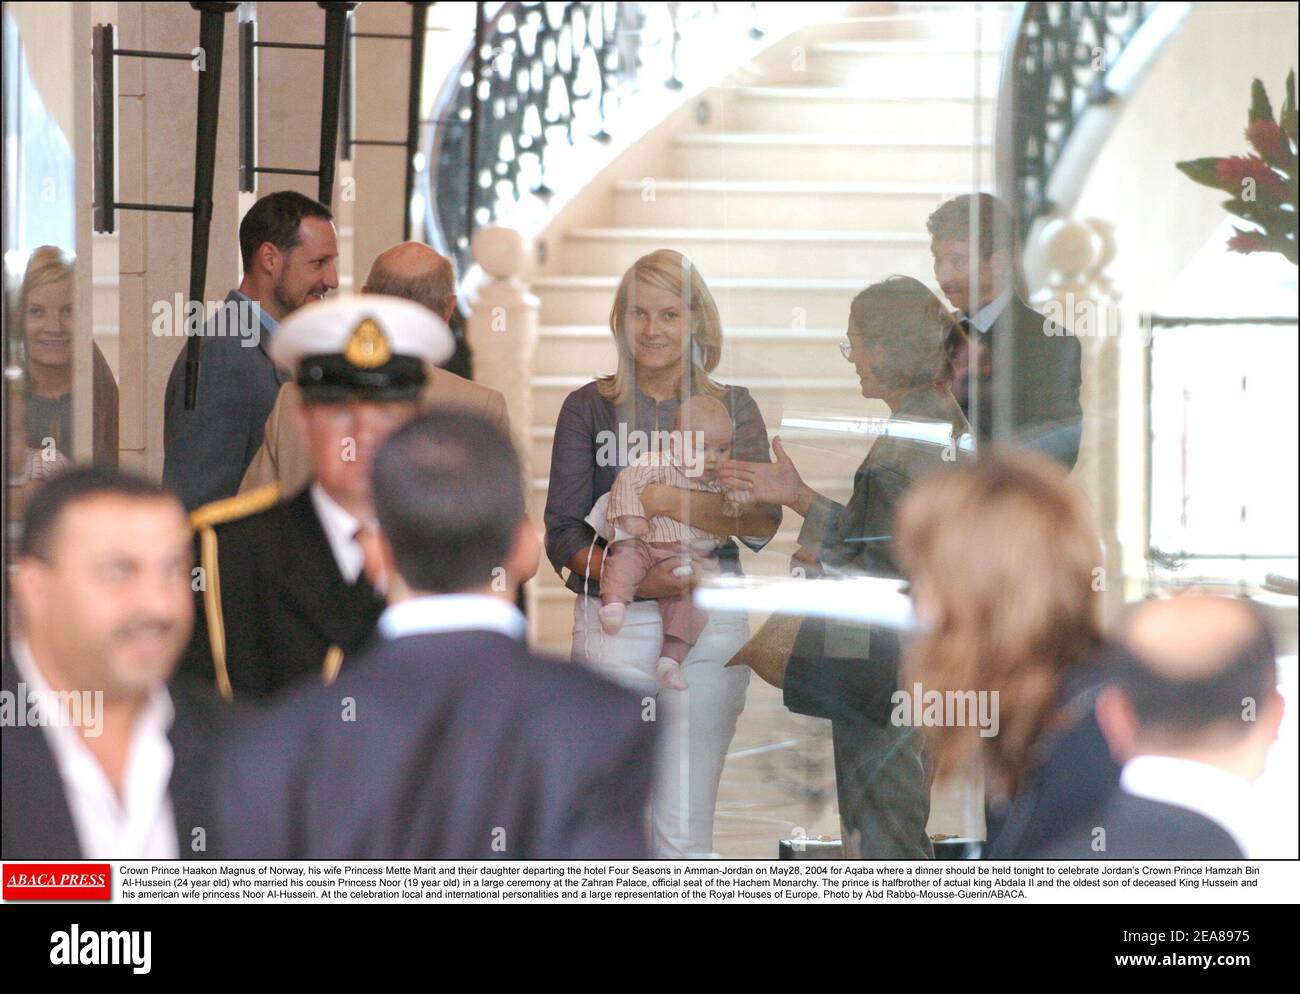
634	525
736	496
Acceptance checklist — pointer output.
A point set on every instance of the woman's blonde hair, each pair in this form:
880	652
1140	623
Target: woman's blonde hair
668	270
1004	551
48	264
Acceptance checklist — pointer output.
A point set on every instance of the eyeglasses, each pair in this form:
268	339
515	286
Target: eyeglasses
846	349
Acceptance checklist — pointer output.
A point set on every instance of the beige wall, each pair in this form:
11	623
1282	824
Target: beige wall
157	105
383	70
289	95
47	35
1192	104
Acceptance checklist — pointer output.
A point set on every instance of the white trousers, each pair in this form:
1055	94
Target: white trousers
696	725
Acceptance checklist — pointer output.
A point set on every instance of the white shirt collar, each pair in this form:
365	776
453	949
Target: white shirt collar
1223	797
984	318
141	823
341	531
452	613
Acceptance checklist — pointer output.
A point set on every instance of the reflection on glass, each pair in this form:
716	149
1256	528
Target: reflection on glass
29	465
45	328
42	329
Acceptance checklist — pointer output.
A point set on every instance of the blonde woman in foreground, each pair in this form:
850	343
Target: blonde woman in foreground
669	339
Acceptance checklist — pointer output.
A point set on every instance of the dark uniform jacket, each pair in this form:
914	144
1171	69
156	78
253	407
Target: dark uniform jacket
35	818
274	607
1042	390
449	745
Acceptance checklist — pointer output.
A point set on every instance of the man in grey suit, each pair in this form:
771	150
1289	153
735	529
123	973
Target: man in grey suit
449	739
289	251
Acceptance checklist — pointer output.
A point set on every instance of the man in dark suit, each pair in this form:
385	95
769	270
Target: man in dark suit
101	760
284	591
449	740
1191	711
289	250
1026	368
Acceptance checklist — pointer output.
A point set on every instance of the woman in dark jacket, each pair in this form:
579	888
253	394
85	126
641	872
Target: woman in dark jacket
843	669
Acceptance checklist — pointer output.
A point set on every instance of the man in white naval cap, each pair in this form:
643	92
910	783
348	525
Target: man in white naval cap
283	593
412	271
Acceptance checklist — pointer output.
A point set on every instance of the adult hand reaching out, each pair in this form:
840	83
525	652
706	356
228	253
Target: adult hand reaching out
770	482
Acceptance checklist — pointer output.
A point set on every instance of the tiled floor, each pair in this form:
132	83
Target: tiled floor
779	781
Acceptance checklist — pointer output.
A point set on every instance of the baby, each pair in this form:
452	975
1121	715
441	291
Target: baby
699	443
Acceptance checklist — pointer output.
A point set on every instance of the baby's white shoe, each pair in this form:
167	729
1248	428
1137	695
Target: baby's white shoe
669	672
611	618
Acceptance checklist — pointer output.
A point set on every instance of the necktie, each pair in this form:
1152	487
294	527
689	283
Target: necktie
372	572
957	349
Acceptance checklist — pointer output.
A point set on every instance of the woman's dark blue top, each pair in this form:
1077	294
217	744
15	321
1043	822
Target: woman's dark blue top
592	439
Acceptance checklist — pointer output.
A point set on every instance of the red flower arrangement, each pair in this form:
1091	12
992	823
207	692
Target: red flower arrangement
1263	185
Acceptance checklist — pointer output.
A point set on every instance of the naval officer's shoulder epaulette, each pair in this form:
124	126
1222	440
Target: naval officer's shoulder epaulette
203	520
233	508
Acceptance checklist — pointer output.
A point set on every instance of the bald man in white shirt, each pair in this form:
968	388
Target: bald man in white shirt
1190	714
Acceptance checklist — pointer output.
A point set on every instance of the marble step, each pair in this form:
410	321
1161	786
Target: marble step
832	156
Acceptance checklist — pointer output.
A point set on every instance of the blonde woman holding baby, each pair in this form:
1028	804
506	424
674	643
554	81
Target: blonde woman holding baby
669	339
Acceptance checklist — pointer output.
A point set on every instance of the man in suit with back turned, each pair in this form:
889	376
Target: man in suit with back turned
1190	713
450	739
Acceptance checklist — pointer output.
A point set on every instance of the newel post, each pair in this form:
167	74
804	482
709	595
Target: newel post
1081	296
502	332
